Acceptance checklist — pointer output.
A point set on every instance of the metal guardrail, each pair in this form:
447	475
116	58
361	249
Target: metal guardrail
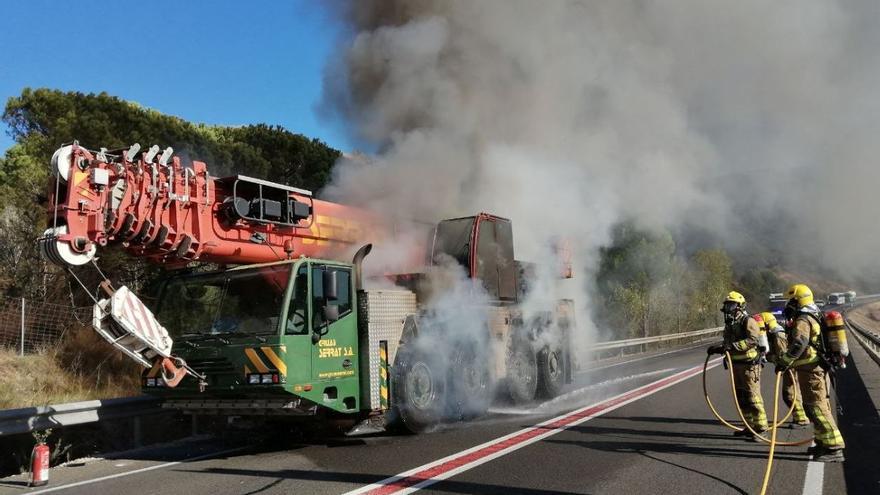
620	344
28	419
870	341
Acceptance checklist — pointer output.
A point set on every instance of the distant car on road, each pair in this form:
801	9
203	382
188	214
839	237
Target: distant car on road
837	298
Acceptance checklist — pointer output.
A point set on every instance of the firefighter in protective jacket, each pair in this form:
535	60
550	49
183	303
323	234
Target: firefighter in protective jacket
778	345
741	334
803	354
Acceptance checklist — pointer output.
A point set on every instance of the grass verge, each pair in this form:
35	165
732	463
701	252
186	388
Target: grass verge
81	367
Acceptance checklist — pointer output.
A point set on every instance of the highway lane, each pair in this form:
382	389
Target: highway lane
666	442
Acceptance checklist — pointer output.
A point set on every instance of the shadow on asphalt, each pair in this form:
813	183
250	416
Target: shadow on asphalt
860	426
250	444
664	461
14	484
366	479
648	419
642	442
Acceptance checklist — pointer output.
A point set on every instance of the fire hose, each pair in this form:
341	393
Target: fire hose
773	425
715	411
772	431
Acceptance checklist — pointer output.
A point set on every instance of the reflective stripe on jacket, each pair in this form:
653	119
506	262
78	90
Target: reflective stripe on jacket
742	337
806	327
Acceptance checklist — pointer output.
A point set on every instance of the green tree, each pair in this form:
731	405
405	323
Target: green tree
633	271
756	285
714	279
41	120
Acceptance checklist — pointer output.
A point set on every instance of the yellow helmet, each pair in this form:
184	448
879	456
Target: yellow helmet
734	307
736	297
801	294
769	320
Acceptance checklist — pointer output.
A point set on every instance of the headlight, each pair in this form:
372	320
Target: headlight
151	382
267	378
253	379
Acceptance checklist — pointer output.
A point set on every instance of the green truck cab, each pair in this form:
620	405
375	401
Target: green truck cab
263	335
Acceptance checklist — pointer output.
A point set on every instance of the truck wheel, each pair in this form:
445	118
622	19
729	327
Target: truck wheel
471	384
522	374
420	391
551	372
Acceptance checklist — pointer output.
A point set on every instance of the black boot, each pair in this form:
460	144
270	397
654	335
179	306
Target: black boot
744	433
823	454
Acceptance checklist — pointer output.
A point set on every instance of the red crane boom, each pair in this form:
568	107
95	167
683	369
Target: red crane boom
169	213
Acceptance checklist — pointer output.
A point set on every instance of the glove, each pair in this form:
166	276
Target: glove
715	349
783	362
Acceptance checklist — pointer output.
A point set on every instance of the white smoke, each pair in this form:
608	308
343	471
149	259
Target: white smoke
570	116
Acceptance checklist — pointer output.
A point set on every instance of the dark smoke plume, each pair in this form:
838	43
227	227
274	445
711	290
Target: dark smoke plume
754	122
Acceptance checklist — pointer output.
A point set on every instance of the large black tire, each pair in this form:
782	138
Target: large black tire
471	383
551	372
522	374
420	390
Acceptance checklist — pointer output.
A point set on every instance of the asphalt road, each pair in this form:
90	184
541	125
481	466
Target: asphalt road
648	432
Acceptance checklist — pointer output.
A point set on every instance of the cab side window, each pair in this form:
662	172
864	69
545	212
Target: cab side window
343	293
344	297
297	311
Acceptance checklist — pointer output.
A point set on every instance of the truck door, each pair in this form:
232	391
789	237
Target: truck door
297	332
334	336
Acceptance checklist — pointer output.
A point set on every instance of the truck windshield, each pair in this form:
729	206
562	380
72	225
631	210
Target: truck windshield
238	301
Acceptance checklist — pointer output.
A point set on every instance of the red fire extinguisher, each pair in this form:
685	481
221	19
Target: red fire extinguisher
40	460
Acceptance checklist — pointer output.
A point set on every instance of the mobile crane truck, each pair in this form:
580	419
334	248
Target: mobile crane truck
286	329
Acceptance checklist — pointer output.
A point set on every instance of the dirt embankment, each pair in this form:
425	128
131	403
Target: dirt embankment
868	316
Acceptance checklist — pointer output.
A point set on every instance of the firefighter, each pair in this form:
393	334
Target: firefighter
741	334
804	333
778	345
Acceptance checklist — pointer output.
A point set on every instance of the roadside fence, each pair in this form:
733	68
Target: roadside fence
28	325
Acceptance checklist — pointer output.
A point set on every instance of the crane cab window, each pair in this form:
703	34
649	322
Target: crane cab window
453	238
494	263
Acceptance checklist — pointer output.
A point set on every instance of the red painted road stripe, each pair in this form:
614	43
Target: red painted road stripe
436	471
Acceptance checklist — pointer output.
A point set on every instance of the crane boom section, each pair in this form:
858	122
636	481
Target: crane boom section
165	212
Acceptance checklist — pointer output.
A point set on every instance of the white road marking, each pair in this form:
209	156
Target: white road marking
433	472
590	370
559	401
136	471
815	478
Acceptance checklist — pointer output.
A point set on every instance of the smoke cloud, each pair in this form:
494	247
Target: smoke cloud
752	121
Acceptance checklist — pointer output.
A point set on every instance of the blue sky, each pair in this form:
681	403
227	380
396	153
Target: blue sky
227	63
